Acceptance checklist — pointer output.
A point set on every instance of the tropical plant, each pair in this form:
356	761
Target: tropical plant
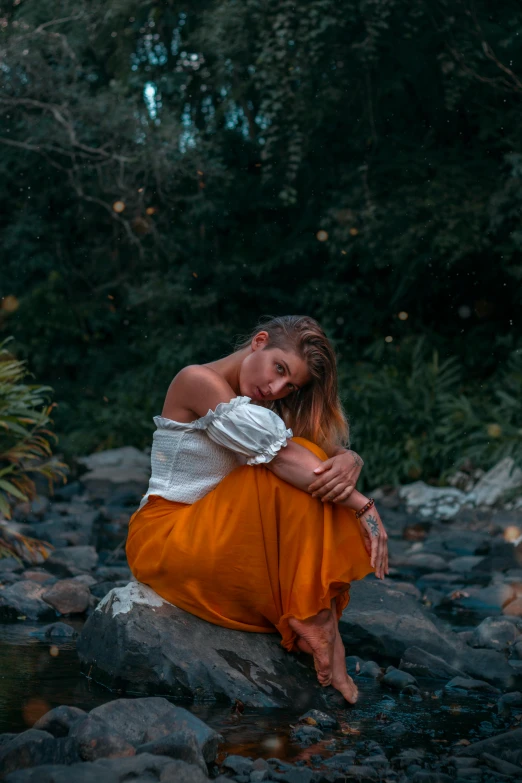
415	416
25	448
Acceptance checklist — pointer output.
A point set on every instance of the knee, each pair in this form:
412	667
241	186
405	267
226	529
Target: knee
311	446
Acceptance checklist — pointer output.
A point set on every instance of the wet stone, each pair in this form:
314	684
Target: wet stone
59	631
59	720
371	669
322	719
95	740
509	702
495	633
67	597
397	680
306	735
468	684
144	720
32	748
72	560
178	745
396	729
24	600
238	765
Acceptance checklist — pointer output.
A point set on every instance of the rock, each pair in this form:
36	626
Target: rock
496	482
341	761
41	577
9	564
34	747
24	600
95	739
67	597
179	745
408	588
497	746
381	621
59	631
466	564
306	735
420	663
69	530
137	637
494	634
59	720
144	768
322	719
462	543
397	679
432	502
114	573
238	765
424	561
72	560
101	589
468	684
396	729
125	470
360	772
508	702
371	669
68	491
144	720
485	599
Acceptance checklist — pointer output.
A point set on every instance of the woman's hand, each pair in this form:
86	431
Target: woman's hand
337	477
375	541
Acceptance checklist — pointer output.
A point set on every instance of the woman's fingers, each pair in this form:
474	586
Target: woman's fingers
343	495
329	483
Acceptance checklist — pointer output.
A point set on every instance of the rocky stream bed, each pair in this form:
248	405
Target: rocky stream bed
104	681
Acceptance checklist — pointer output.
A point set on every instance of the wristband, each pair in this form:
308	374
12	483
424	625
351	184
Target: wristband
365	508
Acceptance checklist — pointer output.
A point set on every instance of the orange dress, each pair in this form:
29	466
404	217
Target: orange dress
250	554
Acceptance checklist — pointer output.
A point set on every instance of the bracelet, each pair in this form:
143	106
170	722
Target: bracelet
365	508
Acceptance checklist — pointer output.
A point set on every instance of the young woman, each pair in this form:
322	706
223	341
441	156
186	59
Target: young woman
252	520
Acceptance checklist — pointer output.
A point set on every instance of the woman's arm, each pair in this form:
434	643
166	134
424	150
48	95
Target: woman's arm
296	465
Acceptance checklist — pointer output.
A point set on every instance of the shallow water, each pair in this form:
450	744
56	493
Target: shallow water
36	675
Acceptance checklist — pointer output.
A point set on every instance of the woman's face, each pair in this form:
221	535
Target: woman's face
271	373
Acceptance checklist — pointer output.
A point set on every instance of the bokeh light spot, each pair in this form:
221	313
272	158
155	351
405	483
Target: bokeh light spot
511	533
33	710
388	339
403	316
322	236
9	304
118	206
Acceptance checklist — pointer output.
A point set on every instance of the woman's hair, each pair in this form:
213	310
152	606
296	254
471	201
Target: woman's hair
314	411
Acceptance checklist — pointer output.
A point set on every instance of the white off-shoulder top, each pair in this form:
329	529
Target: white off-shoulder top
189	459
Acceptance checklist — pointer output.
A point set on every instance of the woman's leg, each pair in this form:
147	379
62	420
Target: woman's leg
320	637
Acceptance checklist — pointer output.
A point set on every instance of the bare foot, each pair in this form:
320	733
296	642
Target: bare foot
317	635
341	680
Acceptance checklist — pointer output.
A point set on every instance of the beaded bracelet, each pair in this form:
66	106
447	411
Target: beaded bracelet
365	508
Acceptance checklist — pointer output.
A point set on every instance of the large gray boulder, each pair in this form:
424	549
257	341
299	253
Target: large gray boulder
123	470
134	638
383	622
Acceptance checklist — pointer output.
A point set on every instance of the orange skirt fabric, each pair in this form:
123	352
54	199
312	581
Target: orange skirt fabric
252	553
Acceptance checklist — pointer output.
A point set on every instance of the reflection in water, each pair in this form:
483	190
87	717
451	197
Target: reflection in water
36	676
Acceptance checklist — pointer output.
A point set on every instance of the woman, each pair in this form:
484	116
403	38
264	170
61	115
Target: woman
250	518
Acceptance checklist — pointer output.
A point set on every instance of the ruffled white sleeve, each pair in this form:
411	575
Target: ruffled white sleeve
256	433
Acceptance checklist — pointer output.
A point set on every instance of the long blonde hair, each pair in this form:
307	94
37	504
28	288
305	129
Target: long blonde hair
314	411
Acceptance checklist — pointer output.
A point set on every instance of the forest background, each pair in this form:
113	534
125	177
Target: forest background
171	171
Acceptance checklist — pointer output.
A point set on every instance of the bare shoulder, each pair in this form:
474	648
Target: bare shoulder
194	391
